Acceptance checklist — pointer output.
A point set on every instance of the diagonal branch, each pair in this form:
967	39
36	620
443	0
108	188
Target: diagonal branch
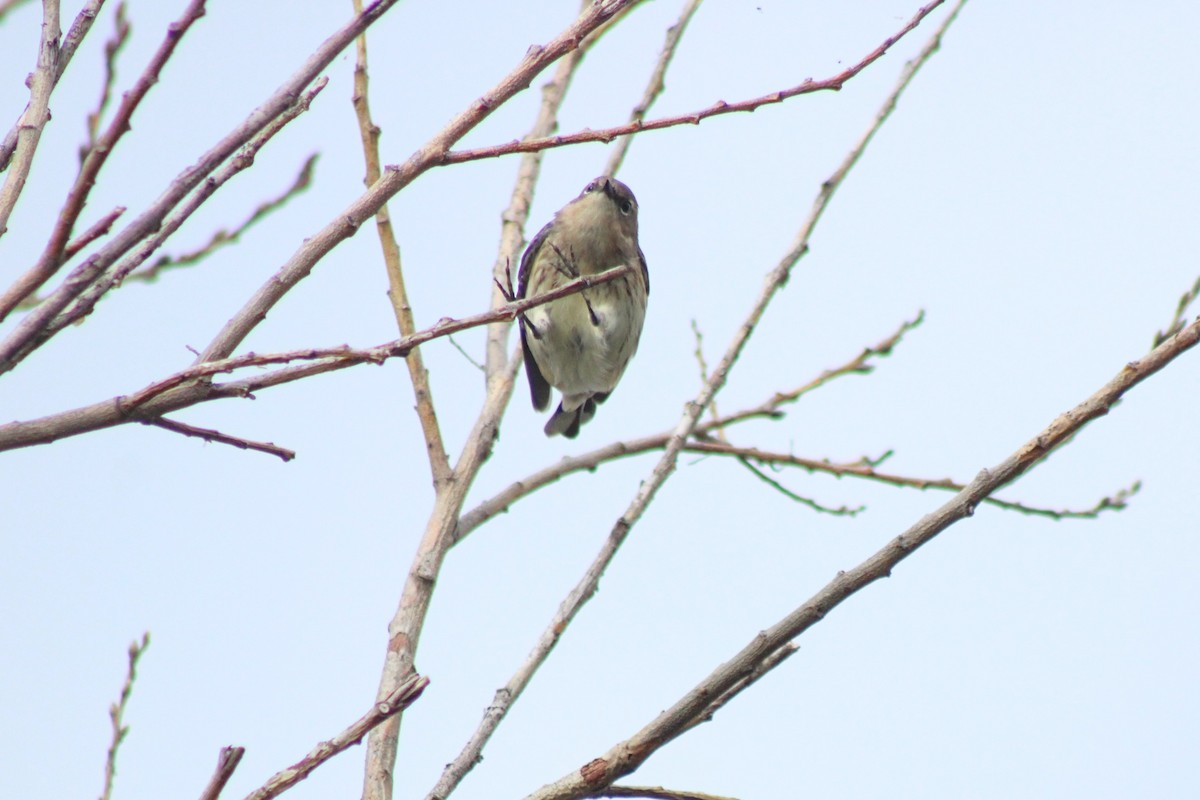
867	471
656	85
227	761
396	701
627	756
224	237
210	435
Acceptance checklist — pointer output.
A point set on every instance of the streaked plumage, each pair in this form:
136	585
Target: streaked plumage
581	344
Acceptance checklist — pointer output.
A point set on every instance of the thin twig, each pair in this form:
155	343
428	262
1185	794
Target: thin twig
29	127
116	715
210	435
99	228
702	363
656	85
112	48
227	761
454	343
224	237
865	470
404	696
843	511
439	461
1177	321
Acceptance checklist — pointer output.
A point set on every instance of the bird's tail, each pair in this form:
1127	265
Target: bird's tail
567	423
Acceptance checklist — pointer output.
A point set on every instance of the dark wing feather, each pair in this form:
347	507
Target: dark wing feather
645	271
539	388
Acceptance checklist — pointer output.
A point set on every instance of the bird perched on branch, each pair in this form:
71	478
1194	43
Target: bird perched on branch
581	344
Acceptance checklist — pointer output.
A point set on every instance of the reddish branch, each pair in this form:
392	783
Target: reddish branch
718	108
191	386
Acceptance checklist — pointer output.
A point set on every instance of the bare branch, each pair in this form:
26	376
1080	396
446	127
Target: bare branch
227	761
37	114
403	697
52	256
866	470
749	679
190	387
1177	321
843	511
606	135
224	237
439	462
99	228
628	755
86	302
150	220
116	714
702	363
656	85
79	28
210	435
112	48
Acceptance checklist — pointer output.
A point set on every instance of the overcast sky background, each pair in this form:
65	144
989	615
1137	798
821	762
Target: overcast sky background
1036	194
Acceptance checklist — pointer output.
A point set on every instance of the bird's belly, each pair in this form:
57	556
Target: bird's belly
580	356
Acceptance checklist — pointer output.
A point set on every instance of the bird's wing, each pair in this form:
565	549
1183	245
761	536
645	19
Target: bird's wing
645	270
539	388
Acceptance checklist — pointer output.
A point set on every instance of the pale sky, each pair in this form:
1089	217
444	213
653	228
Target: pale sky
1035	193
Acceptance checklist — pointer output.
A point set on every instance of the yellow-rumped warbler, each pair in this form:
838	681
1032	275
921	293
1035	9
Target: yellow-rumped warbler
581	344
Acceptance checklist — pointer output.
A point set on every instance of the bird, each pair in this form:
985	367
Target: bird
581	344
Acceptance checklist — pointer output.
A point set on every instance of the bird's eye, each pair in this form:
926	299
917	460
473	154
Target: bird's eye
625	207
591	187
